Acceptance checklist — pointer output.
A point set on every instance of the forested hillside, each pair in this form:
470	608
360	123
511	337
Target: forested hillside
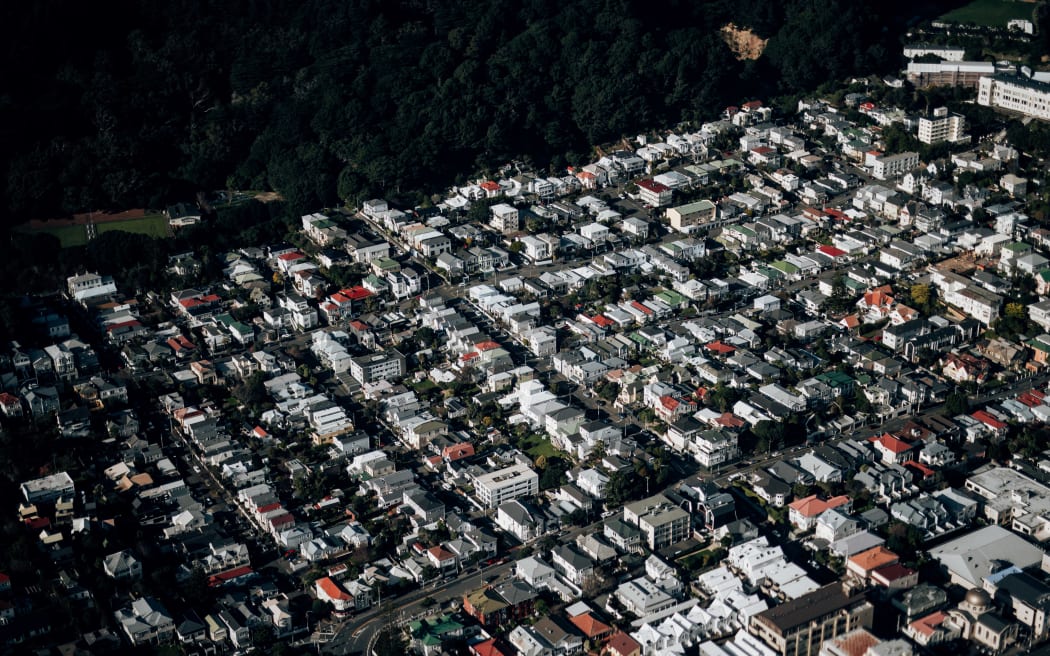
319	99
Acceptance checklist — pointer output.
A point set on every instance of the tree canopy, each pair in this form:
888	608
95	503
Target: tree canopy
325	101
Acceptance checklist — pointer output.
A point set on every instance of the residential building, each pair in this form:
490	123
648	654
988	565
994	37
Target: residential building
661	522
688	218
942	126
1015	93
494	488
886	167
386	365
800	626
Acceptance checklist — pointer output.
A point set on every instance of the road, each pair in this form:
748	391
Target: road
354	636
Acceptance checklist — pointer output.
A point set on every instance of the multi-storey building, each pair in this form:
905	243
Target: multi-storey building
1015	93
661	522
942	126
892	166
378	366
517	480
799	627
687	218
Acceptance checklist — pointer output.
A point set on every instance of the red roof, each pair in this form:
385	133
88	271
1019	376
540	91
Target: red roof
260	431
669	402
262	510
641	308
729	420
229	575
589	626
1027	398
467	357
762	150
988	420
338	299
123	324
894	572
489	185
602	320
441	554
719	346
922	469
653	186
836	214
928	625
891	443
488	648
487	345
331	589
355	293
622	644
288	257
457	451
752	104
831	251
38	522
7	398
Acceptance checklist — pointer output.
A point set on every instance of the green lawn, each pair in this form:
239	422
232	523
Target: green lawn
74	235
537	447
992	13
154	225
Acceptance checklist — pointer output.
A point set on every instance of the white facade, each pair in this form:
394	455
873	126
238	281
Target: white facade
508	483
1015	93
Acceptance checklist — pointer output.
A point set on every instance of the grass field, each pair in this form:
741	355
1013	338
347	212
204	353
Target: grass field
154	225
991	13
74	235
537	446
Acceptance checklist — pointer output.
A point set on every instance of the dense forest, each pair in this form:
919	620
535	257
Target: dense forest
134	103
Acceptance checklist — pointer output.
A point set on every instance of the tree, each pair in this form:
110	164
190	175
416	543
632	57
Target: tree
956	403
920	294
390	641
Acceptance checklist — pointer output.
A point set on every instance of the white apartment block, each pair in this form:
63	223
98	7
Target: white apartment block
892	166
505	218
1015	93
511	482
947	53
686	218
377	366
942	126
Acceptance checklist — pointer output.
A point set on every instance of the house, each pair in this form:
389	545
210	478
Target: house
573	564
892	450
122	566
803	513
520	519
146	622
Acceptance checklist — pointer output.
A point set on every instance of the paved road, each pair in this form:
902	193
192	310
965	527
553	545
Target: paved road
353	637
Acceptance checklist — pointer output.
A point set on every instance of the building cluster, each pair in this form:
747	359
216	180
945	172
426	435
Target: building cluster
703	395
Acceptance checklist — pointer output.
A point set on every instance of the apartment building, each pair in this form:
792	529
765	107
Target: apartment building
378	366
1015	93
799	627
504	218
687	218
661	522
653	193
885	167
517	480
942	126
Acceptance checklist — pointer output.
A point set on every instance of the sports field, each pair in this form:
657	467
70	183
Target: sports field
991	13
154	225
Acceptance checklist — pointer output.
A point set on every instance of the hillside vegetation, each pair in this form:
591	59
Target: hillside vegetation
322	100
